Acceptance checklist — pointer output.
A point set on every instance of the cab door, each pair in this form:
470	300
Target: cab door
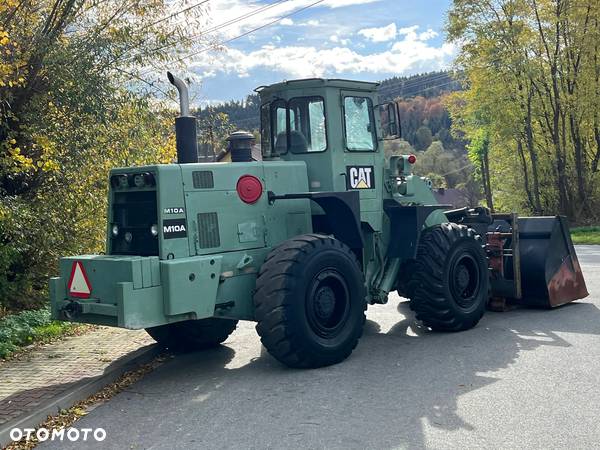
361	152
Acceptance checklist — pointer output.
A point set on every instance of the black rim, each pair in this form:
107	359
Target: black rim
327	303
464	280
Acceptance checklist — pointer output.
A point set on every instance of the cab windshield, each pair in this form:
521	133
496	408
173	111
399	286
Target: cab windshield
297	125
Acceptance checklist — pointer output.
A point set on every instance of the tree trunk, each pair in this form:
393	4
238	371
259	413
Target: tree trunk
525	176
580	167
487	185
537	207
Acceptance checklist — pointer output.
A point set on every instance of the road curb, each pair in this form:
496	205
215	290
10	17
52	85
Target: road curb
80	391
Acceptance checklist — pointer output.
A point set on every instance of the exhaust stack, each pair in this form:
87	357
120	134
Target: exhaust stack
185	125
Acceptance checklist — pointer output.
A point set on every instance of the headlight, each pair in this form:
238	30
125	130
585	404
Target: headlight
119	181
128	237
154	230
115	230
138	180
149	179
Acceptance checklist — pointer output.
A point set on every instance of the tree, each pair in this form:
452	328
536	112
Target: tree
532	68
214	128
479	150
423	138
439	164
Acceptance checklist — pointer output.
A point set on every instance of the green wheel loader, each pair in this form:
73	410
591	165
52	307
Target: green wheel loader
304	240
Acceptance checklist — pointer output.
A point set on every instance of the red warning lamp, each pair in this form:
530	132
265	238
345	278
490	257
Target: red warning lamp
412	159
249	188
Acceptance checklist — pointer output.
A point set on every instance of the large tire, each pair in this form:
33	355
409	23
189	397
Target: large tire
310	301
449	285
191	335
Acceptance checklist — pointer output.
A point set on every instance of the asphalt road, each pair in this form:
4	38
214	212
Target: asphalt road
521	379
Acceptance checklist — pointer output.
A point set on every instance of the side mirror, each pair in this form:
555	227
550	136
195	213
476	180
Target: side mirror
390	120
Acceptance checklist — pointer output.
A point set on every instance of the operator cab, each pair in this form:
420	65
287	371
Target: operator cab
335	126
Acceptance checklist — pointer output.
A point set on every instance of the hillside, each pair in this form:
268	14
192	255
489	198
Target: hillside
428	85
243	114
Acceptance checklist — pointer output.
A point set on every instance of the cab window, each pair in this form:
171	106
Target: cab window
279	125
307	125
359	124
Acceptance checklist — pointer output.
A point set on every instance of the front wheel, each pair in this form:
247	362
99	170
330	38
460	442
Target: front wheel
310	301
449	283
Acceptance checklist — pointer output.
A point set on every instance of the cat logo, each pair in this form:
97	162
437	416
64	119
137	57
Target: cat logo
359	177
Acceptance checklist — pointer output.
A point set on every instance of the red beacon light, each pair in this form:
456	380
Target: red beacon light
249	188
412	159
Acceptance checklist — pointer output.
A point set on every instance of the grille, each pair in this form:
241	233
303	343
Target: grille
134	212
203	179
208	230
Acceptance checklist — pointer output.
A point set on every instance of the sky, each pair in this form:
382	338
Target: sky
357	39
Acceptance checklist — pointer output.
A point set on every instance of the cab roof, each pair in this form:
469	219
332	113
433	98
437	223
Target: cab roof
318	83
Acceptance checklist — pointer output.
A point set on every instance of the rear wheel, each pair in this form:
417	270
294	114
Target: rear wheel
193	335
449	283
310	301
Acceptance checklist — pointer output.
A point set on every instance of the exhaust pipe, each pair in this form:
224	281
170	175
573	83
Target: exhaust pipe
185	125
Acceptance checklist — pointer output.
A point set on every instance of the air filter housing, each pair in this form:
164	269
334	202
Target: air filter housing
240	146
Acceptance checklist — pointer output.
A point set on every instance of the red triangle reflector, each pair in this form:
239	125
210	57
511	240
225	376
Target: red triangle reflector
79	285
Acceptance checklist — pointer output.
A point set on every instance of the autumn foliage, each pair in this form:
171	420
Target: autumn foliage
74	102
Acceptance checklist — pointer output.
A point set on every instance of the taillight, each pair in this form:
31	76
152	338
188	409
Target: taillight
249	188
412	159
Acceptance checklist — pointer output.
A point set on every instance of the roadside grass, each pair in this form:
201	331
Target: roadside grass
30	327
586	235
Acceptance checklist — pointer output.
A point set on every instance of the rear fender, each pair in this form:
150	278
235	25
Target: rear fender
342	213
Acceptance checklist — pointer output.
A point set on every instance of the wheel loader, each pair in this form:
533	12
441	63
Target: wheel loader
302	241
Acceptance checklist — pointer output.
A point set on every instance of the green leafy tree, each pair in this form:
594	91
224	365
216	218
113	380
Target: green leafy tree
423	138
532	70
438	163
478	151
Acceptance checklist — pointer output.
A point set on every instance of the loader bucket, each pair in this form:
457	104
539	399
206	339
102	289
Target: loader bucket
550	271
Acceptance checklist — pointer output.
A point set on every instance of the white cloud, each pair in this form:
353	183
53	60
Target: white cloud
211	73
381	34
338	40
286	21
408	30
311	23
429	34
391	32
409	53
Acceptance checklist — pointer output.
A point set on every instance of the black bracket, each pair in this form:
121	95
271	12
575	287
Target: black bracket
342	210
406	225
